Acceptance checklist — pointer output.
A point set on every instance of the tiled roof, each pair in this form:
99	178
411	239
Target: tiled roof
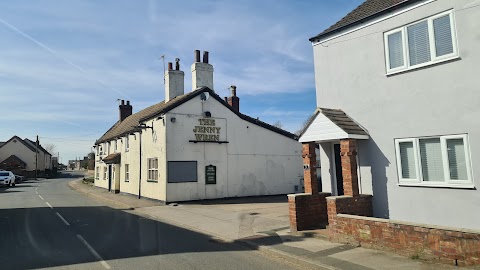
14	160
33	144
343	121
112	158
19	140
367	10
128	125
340	119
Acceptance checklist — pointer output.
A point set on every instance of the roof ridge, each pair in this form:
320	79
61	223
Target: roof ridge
367	10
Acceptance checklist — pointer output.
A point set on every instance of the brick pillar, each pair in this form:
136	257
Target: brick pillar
310	173
348	154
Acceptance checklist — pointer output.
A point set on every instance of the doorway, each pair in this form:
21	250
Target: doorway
338	169
110	177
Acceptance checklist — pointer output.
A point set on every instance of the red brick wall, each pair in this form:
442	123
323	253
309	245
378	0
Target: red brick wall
348	155
307	211
360	206
310	174
415	240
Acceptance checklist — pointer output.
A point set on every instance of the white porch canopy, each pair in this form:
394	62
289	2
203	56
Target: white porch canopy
332	124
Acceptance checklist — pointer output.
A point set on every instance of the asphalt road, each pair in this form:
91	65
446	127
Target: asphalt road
46	224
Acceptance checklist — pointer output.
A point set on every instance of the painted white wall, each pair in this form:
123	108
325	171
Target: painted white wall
153	145
174	84
255	161
202	75
20	150
436	100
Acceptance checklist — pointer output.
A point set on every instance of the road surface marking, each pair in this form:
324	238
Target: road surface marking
64	221
104	263
36	191
41	197
49	205
36	188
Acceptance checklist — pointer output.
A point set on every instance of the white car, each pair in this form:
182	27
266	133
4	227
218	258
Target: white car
7	178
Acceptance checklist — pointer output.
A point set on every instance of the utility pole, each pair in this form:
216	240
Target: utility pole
36	159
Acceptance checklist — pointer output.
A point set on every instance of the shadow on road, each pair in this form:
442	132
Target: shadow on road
37	238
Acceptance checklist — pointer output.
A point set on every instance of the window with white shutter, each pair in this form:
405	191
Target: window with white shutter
431	159
407	157
418	43
395	53
434	161
442	32
422	43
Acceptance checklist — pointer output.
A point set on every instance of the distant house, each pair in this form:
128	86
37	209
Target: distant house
23	156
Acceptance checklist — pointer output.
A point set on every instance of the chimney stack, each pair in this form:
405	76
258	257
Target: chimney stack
202	72
233	100
174	81
124	110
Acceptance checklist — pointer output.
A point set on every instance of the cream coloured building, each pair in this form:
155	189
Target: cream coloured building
19	155
195	146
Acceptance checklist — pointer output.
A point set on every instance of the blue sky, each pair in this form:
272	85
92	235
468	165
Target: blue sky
64	64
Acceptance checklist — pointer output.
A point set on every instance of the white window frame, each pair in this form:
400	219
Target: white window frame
153	170
433	50
115	147
127	173
97	173
469	183
105	173
127	143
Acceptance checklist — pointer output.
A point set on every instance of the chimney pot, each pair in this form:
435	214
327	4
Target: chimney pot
205	57
128	102
177	63
197	55
174	81
123	102
233	90
233	100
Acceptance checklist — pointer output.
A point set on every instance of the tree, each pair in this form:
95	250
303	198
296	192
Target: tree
91	155
303	126
278	124
51	148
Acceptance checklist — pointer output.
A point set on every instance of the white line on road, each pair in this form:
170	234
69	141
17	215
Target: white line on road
49	205
104	263
64	221
41	197
36	191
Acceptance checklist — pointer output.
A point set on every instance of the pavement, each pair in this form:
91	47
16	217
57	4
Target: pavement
260	223
46	224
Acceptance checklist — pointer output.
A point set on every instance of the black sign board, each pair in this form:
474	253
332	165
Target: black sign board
210	175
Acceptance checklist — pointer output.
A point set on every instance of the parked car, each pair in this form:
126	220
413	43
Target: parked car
7	178
19	178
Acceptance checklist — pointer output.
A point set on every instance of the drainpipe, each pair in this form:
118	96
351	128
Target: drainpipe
140	170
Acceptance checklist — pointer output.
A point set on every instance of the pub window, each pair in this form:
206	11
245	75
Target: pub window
152	169
182	171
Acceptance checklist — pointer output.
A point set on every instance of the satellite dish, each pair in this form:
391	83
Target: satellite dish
204	95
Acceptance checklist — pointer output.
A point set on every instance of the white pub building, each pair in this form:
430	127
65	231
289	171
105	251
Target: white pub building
196	146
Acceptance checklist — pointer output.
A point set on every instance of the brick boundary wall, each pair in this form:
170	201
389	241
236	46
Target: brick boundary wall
307	211
360	205
436	243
